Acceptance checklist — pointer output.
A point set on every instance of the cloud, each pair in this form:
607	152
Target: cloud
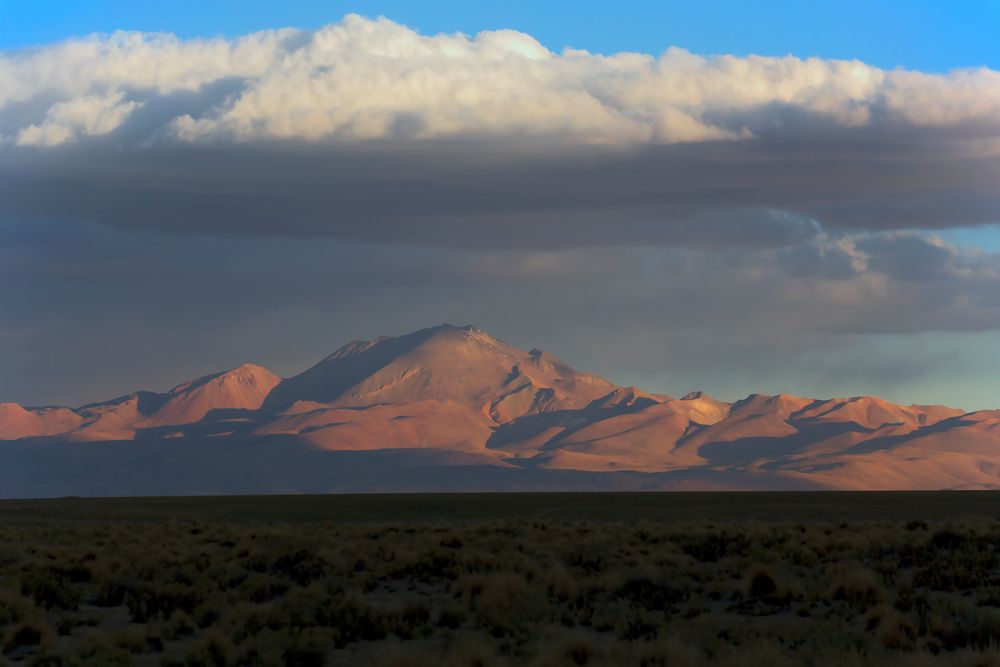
366	129
363	79
268	197
86	306
86	115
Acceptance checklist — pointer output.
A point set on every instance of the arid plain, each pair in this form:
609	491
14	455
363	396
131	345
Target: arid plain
682	579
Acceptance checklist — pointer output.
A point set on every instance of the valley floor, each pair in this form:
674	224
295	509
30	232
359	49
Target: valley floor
503	579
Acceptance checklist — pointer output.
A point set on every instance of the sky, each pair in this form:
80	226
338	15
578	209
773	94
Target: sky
916	34
783	197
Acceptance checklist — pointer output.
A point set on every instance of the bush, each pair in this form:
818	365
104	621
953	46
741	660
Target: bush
713	547
644	593
49	589
23	636
762	584
859	587
160	602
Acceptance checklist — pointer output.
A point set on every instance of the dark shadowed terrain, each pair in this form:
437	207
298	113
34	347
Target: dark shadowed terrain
475	507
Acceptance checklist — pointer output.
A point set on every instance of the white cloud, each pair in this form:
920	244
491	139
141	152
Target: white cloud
80	116
372	79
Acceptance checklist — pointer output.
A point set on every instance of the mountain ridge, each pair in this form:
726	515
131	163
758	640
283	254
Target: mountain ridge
473	399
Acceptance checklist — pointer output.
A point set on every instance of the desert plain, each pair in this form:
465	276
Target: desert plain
503	579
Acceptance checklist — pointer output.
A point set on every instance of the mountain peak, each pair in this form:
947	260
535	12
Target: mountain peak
361	346
249	374
244	388
466	332
462	364
17	421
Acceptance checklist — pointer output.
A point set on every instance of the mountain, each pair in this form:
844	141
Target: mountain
454	407
242	388
18	422
464	365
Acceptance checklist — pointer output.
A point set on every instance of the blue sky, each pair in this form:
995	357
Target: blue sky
917	34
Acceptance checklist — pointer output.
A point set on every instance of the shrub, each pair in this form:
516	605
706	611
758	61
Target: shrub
110	594
301	566
644	593
49	589
264	588
23	636
151	602
761	584
12	608
588	558
499	602
305	649
451	618
713	547
213	651
948	540
859	587
99	652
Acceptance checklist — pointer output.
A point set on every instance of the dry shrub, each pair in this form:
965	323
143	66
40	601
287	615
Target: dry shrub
966	627
100	651
652	594
754	656
499	600
462	652
670	652
50	588
572	648
858	586
213	650
398	655
761	583
23	637
712	547
894	630
13	607
560	584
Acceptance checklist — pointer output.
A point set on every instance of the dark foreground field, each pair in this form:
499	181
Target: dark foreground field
546	579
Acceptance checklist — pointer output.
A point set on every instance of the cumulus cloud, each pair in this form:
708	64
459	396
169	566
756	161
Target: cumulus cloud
363	79
81	116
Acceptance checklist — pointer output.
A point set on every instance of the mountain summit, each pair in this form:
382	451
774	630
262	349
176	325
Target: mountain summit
464	365
472	402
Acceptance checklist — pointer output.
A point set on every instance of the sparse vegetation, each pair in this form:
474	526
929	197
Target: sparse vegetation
501	592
